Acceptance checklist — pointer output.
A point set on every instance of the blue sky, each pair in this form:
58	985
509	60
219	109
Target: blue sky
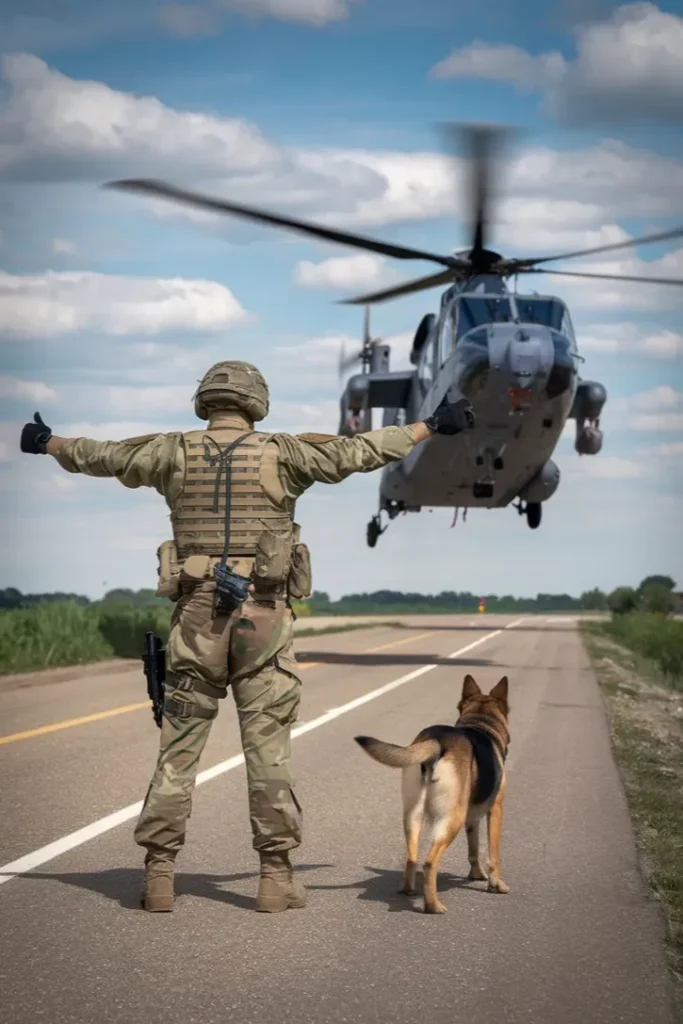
328	109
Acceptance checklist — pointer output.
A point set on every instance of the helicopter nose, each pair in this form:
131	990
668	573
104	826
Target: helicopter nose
528	358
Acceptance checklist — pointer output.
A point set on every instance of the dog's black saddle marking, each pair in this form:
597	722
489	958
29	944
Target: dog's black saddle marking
489	771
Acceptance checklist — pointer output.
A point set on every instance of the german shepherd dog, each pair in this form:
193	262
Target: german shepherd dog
452	776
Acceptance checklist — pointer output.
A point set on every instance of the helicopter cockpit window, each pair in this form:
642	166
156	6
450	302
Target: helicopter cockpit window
477	312
447	334
547	312
426	364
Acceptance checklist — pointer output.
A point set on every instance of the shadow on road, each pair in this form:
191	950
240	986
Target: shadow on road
349	658
124	885
382	887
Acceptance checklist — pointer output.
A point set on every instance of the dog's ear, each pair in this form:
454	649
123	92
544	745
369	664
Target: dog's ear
500	690
469	688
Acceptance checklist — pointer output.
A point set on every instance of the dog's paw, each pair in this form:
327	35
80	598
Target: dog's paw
477	875
434	908
407	890
498	886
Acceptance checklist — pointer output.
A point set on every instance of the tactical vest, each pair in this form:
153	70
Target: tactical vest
198	515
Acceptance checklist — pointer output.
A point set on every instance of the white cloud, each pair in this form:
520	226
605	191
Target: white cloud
313	12
660	399
115	430
588	293
56	128
184	19
627	69
127	401
607	467
670	449
297	417
188	20
666	422
84	129
54	304
502	63
657	410
64	247
626	337
11	387
363	271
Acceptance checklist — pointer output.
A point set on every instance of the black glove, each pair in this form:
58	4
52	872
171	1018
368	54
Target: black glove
452	418
34	436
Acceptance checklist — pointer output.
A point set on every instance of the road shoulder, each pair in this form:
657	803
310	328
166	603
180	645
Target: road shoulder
646	727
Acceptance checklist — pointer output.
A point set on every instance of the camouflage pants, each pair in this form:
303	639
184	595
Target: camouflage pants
252	653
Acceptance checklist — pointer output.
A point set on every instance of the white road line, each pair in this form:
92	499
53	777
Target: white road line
84	835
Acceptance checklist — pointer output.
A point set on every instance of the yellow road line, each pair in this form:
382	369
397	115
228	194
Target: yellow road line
396	643
43	729
56	726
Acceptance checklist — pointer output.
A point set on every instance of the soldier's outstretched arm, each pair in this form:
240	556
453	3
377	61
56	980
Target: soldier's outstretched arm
151	460
319	458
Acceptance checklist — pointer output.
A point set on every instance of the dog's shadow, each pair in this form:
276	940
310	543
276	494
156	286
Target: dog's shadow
383	884
124	886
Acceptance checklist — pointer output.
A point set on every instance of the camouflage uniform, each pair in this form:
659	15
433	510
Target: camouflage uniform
250	651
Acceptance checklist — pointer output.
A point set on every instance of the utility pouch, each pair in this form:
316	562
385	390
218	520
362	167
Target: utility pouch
272	560
168	571
231	590
196	569
299	581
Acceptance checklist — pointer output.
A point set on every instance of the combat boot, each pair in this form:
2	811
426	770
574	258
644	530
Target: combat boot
157	893
278	889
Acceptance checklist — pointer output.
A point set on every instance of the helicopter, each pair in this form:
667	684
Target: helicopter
513	355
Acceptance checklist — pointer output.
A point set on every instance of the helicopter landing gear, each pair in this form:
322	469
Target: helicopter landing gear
533	510
374	530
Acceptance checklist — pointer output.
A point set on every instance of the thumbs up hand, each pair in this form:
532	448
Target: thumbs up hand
34	436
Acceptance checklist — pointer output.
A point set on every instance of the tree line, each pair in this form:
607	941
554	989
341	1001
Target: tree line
653	594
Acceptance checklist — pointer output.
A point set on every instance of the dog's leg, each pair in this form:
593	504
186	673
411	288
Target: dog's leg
414	793
448	833
495	827
477	873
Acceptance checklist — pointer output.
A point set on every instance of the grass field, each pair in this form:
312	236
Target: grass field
64	633
639	665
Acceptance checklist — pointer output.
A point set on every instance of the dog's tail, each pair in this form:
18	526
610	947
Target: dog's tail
399	757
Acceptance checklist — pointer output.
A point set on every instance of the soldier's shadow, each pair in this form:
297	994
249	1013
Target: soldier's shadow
124	885
383	884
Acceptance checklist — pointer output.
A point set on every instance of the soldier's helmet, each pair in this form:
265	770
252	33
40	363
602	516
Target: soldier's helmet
232	385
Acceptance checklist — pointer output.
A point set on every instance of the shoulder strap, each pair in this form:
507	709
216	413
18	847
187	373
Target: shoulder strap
224	462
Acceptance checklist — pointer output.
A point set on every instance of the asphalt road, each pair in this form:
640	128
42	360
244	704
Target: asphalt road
577	941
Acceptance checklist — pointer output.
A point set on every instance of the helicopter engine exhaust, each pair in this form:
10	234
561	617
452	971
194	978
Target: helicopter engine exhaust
541	486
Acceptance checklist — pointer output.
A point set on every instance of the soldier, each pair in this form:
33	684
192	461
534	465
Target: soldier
233	565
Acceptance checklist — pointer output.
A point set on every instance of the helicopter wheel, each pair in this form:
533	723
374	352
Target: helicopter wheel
373	531
534	511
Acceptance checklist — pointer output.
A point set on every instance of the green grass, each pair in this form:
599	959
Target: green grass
51	635
63	633
647	736
657	639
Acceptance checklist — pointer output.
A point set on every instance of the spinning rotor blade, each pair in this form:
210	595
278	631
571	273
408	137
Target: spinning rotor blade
160	189
480	143
662	236
347	361
442	278
366	326
605	277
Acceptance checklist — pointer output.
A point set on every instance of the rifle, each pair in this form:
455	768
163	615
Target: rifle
154	663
